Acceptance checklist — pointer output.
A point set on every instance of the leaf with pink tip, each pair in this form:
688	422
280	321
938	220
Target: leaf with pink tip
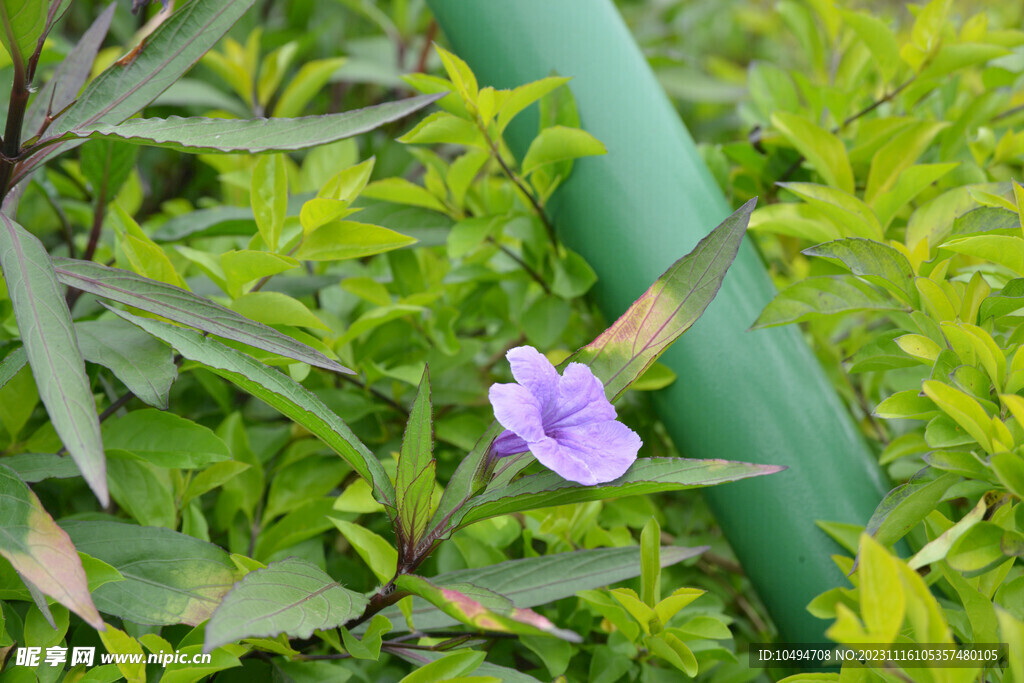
40	551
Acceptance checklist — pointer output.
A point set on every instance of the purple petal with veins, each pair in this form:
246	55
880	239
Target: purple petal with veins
565	421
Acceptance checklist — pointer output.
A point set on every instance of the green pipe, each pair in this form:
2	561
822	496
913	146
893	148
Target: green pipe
753	396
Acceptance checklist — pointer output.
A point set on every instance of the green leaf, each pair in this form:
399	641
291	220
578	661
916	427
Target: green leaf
280	392
127	86
883	602
1004	250
823	150
49	340
40	551
275	308
169	578
445	129
909	183
658	376
625	350
646	475
559	143
879	38
144	365
539	580
12	364
141	489
482	608
212	477
979	550
22	23
964	409
106	164
905	506
33	467
850	215
242	267
289	596
164	439
448	668
899	154
269	196
938	548
305	85
414	484
877	263
369	646
814	297
186	308
401	191
347	240
525	95
378	554
673	650
197	135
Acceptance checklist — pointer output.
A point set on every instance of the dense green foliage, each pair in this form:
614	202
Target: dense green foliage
252	308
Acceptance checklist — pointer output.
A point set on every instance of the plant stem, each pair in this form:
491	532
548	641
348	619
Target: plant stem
15	116
523	264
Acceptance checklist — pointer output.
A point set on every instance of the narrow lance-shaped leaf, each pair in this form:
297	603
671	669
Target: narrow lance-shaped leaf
134	81
277	390
289	596
61	90
41	551
646	475
415	481
202	135
673	303
49	338
634	342
482	608
539	580
12	365
186	308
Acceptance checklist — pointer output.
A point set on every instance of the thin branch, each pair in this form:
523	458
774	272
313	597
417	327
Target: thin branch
421	63
523	264
518	182
875	105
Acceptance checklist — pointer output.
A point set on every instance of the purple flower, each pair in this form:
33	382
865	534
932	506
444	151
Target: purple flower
565	421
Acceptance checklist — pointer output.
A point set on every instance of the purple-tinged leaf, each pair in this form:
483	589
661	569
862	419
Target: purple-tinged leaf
40	551
289	596
414	484
186	308
483	608
673	303
539	580
52	348
71	75
199	135
134	81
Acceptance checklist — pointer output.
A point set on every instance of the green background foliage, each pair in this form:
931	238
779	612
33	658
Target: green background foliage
244	360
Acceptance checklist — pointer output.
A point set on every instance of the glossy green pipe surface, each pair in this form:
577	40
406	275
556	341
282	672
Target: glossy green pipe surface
752	396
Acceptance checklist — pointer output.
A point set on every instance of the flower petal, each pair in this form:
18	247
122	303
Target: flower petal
581	400
592	454
535	372
517	410
508	443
